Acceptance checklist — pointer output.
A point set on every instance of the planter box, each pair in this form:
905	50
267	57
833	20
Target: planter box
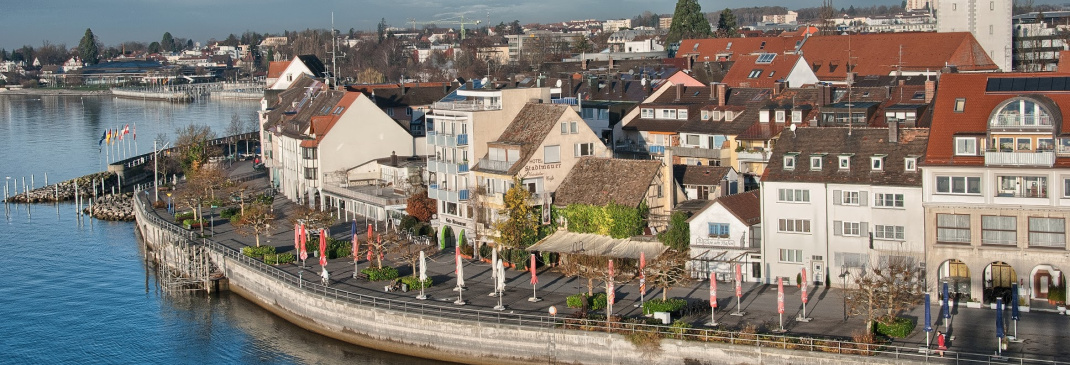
992	306
1023	309
973	305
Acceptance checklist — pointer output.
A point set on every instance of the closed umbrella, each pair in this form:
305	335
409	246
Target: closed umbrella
534	280
999	325
304	245
423	275
780	301
802	292
713	299
928	320
494	271
500	284
1014	308
323	247
642	277
946	307
611	292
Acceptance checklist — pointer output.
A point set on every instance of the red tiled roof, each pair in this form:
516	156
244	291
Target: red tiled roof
275	69
739	74
978	107
879	54
708	49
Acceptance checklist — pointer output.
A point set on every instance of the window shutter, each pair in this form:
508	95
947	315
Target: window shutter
863	229
863	198
837	228
837	198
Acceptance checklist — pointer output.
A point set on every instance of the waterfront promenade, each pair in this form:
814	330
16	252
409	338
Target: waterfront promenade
1044	334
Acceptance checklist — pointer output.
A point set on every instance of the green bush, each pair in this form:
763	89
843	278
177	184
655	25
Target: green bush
658	305
376	274
282	258
193	223
899	328
230	213
409	223
179	217
265	199
414	282
576	301
679	327
337	248
520	258
614	220
599	301
484	251
798	279
261	251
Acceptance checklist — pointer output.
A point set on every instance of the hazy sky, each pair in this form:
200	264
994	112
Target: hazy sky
114	21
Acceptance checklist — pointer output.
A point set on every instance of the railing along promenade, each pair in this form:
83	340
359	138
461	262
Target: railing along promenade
808	344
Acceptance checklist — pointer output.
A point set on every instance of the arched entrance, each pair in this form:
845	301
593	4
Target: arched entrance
998	278
957	276
1046	282
445	237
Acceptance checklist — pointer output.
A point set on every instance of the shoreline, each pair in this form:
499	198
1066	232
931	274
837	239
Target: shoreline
53	92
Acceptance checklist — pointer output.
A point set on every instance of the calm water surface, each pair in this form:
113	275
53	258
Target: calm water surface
76	291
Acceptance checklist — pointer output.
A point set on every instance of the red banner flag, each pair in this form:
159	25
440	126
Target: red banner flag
739	281
304	244
713	290
297	239
370	230
323	247
642	273
780	295
803	285
610	295
534	279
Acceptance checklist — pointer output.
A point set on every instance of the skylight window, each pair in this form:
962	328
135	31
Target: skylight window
754	74
765	58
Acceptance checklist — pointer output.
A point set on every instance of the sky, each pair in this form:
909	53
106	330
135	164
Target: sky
115	21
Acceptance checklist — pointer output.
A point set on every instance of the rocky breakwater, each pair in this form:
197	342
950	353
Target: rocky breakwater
118	207
64	191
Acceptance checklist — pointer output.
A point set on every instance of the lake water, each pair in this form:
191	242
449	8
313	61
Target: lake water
74	290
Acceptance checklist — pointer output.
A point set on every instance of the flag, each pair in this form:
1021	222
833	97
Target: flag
133	132
323	247
107	136
126	129
1014	302
304	244
713	290
642	273
780	295
297	239
423	268
928	315
803	285
459	270
103	136
611	294
534	279
946	306
356	242
739	281
999	317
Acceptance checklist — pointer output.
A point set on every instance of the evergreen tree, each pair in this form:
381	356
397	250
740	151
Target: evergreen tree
726	25
382	30
87	48
688	22
154	47
168	42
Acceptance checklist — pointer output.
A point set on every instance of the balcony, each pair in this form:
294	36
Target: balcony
698	152
1039	158
447	140
495	165
1016	122
753	156
566	101
463	194
656	150
462	139
452	196
468	105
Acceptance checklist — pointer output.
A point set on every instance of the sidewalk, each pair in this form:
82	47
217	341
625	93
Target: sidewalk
1045	335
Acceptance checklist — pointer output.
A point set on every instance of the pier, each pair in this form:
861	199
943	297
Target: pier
184	93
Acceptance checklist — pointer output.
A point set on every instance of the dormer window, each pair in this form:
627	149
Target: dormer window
729	116
965	146
876	162
816	162
646	113
1021	112
845	162
705	115
910	164
796	116
780	115
789	162
715	115
960	105
668	114
681	114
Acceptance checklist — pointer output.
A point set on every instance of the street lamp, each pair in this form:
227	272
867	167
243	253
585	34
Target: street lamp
155	173
843	275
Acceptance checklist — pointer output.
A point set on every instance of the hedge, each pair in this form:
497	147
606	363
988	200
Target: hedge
282	258
576	301
183	216
376	274
229	213
899	328
261	251
658	305
598	301
414	283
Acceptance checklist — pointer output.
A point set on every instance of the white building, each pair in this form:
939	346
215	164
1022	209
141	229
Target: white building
836	200
727	232
614	25
790	18
300	65
989	21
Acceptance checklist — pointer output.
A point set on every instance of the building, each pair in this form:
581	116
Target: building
531	46
727	232
1038	40
989	22
377	190
768	70
997	184
304	64
706	182
837	200
407	103
614	25
891	54
918	4
790	18
601	181
459	129
665	22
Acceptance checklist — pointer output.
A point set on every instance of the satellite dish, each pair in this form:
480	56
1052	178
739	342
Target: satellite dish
643	82
794	127
558	83
484	81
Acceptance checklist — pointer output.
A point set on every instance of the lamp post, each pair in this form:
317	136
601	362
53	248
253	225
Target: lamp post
843	275
155	172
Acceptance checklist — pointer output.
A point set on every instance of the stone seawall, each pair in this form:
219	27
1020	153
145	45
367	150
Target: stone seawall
439	330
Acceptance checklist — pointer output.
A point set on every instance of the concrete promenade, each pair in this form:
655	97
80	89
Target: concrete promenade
1046	335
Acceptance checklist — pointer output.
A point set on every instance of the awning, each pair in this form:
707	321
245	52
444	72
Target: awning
598	245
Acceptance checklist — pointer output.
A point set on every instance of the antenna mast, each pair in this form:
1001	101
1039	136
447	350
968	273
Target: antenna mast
334	54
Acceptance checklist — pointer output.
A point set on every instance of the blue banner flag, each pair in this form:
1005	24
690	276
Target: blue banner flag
946	306
928	315
999	317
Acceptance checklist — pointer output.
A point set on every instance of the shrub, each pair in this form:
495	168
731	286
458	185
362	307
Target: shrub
282	258
376	274
179	217
899	328
679	327
484	251
230	213
261	251
265	199
576	301
658	305
466	250
599	301
193	223
520	258
798	279
408	223
414	282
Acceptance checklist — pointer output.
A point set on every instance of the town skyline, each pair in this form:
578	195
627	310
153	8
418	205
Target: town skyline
117	21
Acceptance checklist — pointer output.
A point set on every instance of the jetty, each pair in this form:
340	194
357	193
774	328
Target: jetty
184	93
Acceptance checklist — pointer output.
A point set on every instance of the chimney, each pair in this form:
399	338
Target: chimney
930	90
893	132
404	89
393	158
713	91
777	88
679	91
722	94
445	88
647	85
583	64
611	63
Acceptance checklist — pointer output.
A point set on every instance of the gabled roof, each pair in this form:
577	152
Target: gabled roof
879	53
314	64
731	48
599	181
748	72
322	124
275	69
747	207
829	143
409	95
700	175
979	105
292	112
528	130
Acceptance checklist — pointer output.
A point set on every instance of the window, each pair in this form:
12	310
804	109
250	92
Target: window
789	162
729	116
681	114
573	127
705	115
668	114
965	146
310	173
691	139
754	74
991	6
953	228
780	115
882	232
815	163
991	29
718	230
1047	232
877	163
584	149
408	111
847	228
646	113
960	103
716	115
1045	144
1022	186
958	185
999	230
851	259
845	162
790	255
551	154
849	198
910	164
888	200
390	112
794	225
1066	188
564	127
1024	144
793	195
796	116
308	153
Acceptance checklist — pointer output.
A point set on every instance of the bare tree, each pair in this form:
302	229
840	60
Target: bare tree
313	220
668	270
886	289
255	221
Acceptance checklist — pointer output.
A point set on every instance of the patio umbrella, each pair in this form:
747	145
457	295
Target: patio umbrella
999	325
1014	308
304	242
946	307
297	238
611	292
356	243
928	320
642	276
323	247
534	280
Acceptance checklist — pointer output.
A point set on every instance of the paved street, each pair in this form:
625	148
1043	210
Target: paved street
973	330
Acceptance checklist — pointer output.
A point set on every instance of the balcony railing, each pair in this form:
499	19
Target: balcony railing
698	152
566	101
495	165
656	150
447	140
462	167
462	139
1039	158
1022	121
473	105
463	194
753	156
